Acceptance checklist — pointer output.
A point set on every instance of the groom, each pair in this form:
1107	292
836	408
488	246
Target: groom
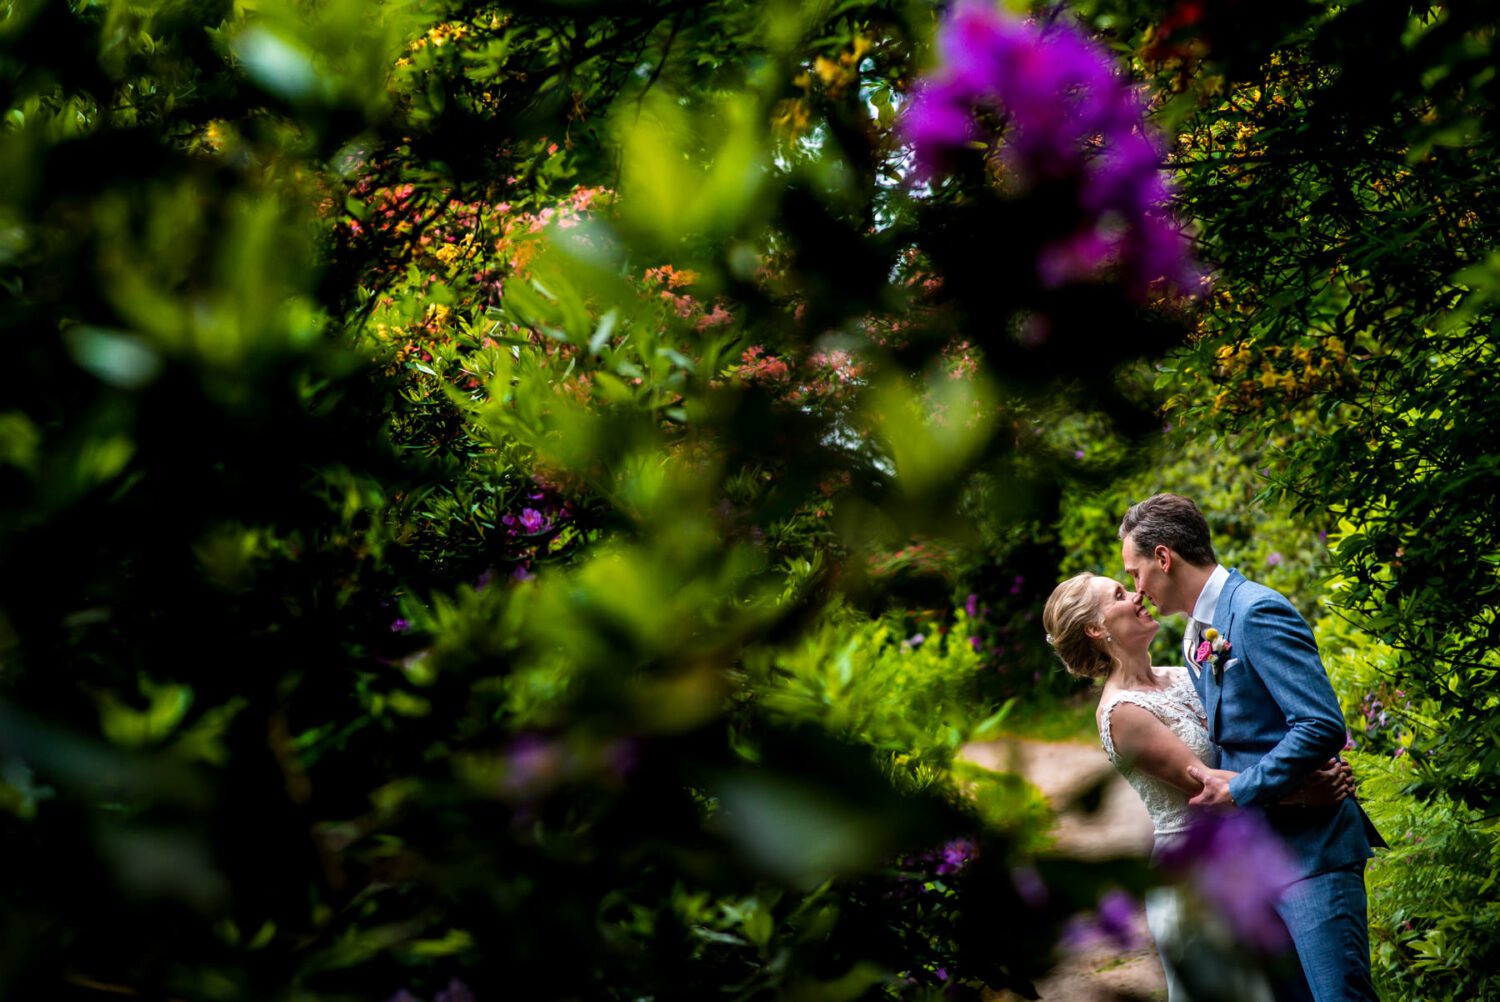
1275	720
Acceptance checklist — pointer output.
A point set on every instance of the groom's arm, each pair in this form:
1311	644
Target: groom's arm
1286	660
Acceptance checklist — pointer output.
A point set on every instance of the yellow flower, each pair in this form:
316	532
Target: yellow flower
791	116
1210	634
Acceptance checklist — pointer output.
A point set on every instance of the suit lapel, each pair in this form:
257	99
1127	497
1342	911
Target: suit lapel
1223	621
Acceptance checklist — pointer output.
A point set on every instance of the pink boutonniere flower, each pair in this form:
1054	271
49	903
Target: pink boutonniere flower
1214	649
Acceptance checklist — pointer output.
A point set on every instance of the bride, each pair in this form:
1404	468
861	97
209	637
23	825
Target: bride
1151	724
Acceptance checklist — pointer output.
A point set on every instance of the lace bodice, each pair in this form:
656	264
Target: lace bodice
1179	707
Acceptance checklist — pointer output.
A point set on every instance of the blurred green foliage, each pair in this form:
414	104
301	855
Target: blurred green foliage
473	477
447	446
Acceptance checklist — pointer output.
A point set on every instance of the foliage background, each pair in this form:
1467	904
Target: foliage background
475	476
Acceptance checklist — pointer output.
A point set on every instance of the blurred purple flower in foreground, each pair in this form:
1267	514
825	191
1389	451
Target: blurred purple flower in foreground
1064	113
1239	868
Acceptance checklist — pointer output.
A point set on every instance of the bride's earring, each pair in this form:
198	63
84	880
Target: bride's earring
1109	638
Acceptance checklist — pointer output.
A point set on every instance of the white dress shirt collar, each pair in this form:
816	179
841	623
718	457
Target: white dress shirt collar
1208	598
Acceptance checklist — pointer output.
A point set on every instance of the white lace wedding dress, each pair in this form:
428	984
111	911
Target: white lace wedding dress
1179	708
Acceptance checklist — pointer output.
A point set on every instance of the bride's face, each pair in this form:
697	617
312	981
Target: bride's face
1125	617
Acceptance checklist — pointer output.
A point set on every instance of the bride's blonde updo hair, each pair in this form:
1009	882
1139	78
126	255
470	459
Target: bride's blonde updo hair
1072	607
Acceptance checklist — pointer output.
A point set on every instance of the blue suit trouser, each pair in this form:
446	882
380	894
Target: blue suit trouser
1326	915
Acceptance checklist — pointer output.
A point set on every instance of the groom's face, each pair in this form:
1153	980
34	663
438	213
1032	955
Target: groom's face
1151	579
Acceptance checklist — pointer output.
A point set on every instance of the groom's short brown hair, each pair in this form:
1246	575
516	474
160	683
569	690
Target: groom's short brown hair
1169	520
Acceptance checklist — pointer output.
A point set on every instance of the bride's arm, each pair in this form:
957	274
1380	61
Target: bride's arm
1149	745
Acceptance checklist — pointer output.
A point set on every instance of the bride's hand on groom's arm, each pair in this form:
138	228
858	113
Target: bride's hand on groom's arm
1329	785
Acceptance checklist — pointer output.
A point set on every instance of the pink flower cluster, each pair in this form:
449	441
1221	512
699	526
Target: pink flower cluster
1051	104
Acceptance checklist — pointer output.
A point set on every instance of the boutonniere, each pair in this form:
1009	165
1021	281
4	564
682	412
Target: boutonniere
1214	650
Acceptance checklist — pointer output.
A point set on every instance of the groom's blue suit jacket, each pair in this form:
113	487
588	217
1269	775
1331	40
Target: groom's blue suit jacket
1274	717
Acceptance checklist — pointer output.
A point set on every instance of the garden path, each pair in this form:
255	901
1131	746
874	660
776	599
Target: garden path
1120	826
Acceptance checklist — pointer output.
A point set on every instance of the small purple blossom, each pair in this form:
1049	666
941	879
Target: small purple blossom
1078	453
533	521
955	856
400	625
971	606
1274	560
1116	922
1067	113
456	991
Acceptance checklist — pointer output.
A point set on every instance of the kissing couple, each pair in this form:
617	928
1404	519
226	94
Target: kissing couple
1249	722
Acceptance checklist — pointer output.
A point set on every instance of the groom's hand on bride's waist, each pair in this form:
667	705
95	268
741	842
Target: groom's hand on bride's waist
1331	784
1215	792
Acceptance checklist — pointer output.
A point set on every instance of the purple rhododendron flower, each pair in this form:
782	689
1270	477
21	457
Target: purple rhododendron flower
532	520
971	606
400	625
1116	922
1065	113
955	856
1239	867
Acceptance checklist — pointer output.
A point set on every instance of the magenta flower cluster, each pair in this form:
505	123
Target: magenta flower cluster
1054	107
